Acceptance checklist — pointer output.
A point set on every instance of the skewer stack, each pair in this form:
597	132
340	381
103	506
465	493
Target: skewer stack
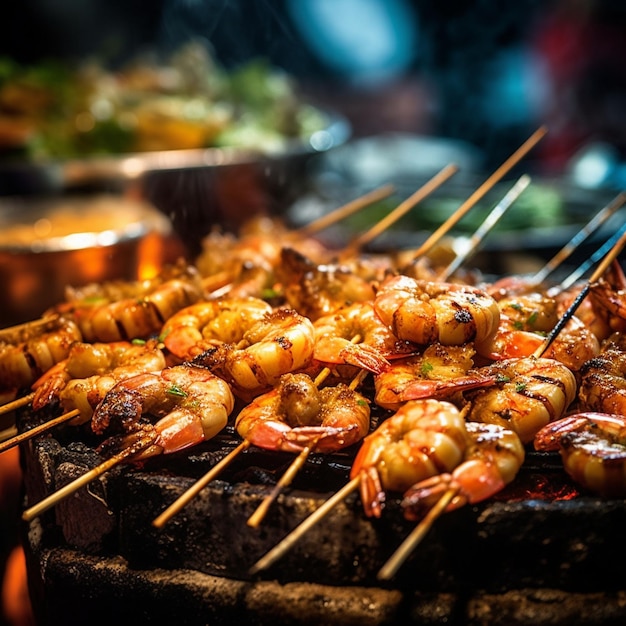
345	551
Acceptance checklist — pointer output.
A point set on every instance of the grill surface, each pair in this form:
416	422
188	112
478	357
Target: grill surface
540	552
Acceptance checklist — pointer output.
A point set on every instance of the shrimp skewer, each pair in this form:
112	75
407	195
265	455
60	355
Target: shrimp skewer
30	350
253	256
437	372
299	461
190	405
534	391
423	311
592	446
123	311
335	339
297	414
281	342
491	461
90	370
197	487
80	382
424	438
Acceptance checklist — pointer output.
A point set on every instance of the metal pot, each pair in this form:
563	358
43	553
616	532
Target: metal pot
48	244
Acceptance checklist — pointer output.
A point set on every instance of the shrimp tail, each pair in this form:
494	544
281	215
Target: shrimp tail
322	438
118	443
372	493
179	430
339	351
440	389
366	357
549	437
270	435
421	497
48	386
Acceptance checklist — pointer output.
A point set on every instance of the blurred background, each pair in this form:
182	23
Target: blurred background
420	83
463	69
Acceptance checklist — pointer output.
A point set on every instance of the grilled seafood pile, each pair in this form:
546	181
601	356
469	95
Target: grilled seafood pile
270	350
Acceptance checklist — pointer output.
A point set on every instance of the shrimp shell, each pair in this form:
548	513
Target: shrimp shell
603	379
190	405
297	414
593	449
528	394
28	354
492	460
424	312
422	439
195	328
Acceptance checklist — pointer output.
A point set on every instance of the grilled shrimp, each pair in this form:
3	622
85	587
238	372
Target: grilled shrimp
424	312
296	414
33	348
189	404
593	449
528	394
525	321
318	290
608	298
492	459
135	317
603	378
280	343
438	372
82	380
335	338
198	327
423	438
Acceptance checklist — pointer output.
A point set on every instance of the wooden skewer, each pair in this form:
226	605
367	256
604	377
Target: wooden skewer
198	486
285	480
255	519
282	547
591	261
342	212
393	564
38	430
24	326
436	181
17	403
221	283
608	259
573	244
65	491
530	143
492	219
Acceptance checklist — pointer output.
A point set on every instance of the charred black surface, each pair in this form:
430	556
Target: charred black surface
541	540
